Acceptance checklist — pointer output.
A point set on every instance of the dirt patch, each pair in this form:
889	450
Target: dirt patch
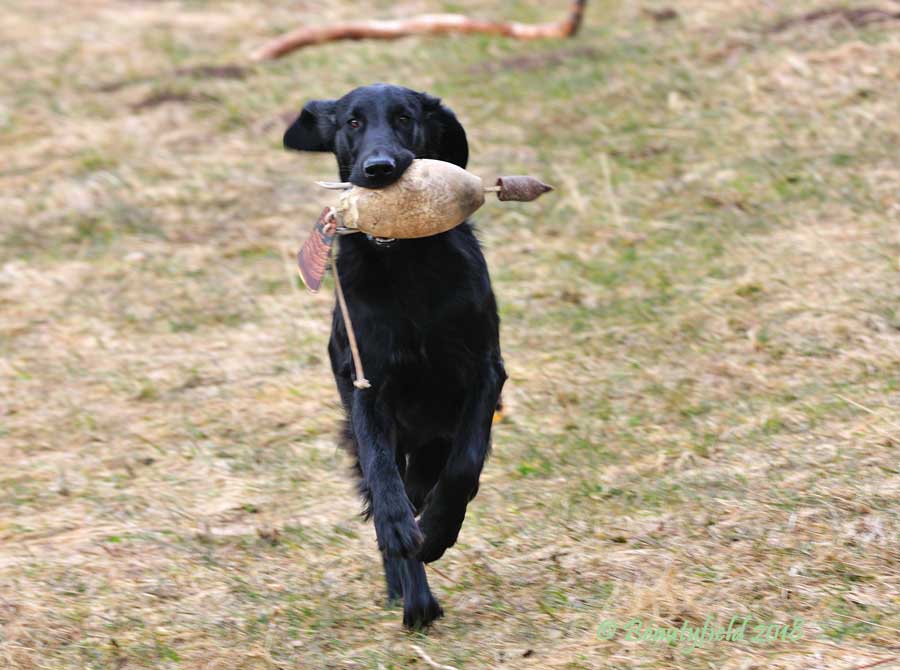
661	15
162	97
534	61
856	17
228	71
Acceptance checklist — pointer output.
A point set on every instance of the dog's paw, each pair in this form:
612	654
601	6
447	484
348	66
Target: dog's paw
396	529
441	532
433	548
419	614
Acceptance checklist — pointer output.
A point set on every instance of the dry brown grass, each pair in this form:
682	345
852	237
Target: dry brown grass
701	326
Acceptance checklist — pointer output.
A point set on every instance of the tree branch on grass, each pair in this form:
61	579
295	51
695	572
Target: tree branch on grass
425	24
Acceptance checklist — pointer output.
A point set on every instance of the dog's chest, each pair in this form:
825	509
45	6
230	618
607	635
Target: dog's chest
418	311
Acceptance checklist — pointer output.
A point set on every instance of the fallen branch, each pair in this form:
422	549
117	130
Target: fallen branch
426	24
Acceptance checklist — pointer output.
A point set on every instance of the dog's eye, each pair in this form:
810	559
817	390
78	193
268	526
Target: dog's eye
403	120
354	123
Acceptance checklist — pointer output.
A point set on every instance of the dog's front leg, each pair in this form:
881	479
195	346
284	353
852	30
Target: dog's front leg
445	508
395	523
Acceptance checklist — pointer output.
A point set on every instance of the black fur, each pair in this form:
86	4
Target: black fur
428	331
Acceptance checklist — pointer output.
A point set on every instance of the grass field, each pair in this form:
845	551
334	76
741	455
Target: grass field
701	326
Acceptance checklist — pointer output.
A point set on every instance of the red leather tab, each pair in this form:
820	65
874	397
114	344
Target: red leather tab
312	260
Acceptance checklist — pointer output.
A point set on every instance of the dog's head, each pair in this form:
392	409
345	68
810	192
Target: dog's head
376	132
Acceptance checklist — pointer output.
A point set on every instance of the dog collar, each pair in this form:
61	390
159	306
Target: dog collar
380	241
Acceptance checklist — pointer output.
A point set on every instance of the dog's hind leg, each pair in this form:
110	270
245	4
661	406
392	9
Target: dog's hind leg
419	606
406	580
393	578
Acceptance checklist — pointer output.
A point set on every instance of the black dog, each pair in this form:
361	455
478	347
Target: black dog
428	332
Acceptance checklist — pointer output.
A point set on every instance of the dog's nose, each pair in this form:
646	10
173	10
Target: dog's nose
379	166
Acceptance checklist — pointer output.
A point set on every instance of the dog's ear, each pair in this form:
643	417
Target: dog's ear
314	129
445	136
